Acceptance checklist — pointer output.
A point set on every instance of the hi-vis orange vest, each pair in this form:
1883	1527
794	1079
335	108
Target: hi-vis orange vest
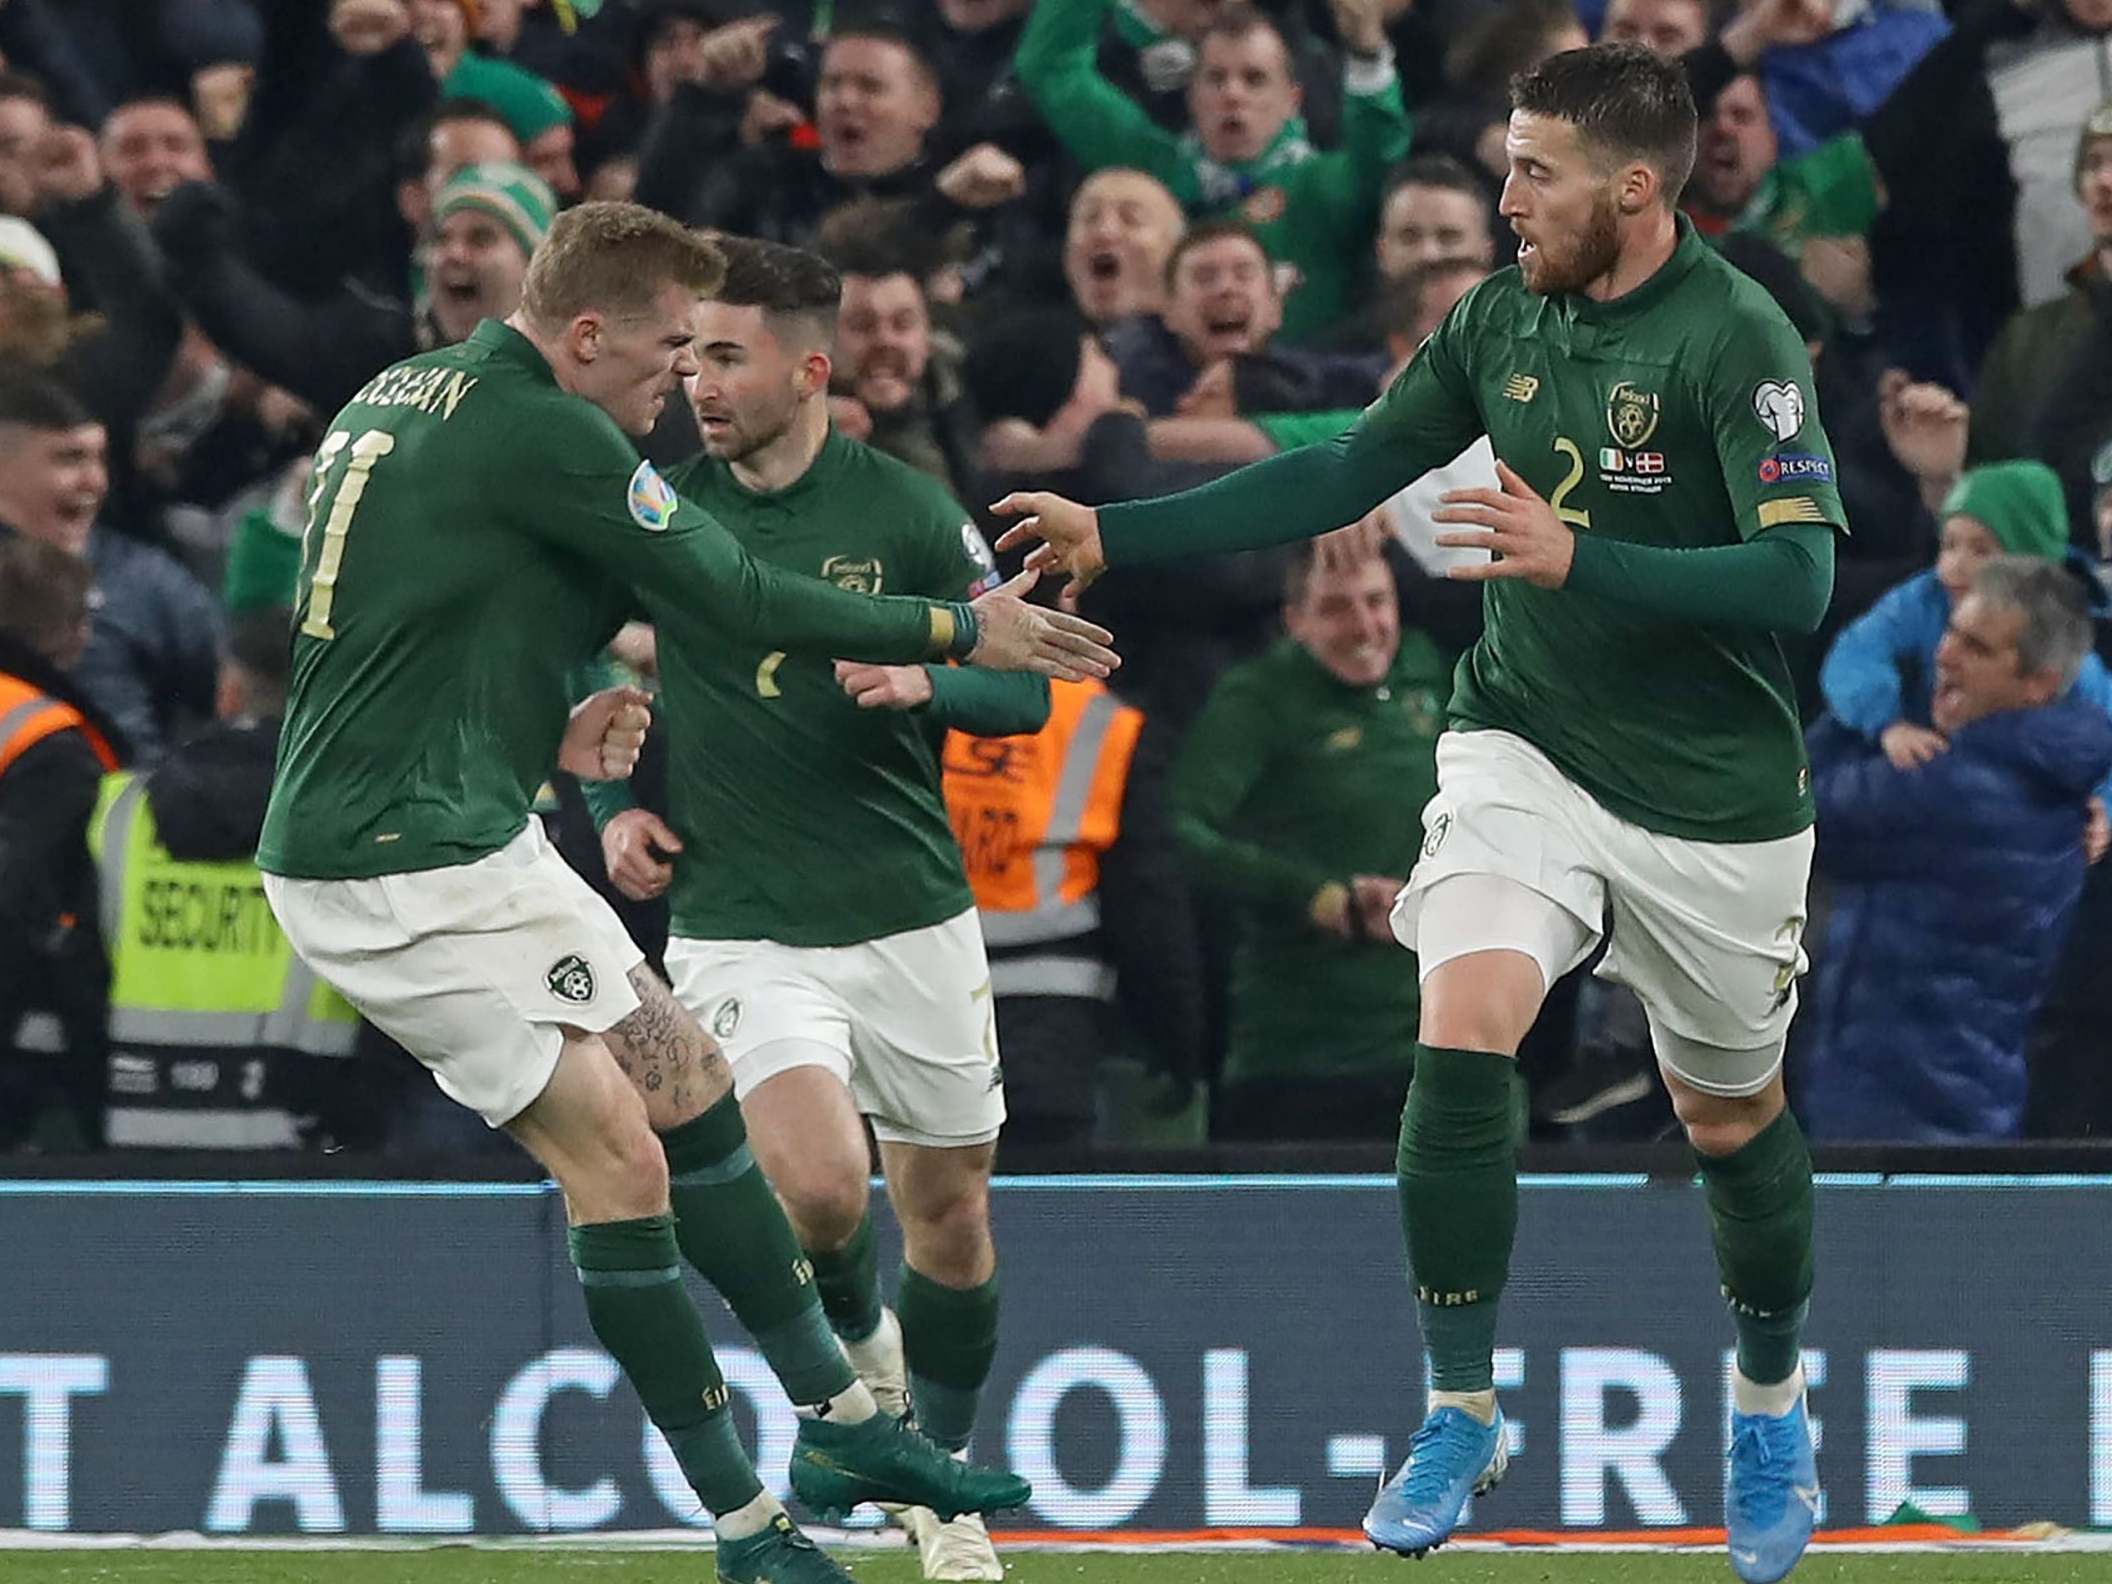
1034	813
27	717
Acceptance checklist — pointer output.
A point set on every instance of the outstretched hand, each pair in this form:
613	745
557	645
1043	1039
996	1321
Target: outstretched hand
1520	530
1065	536
1012	635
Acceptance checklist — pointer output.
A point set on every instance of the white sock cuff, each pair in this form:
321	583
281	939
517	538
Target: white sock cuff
750	1519
1750	1397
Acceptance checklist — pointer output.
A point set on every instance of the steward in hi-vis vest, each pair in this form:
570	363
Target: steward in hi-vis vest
1065	837
220	1037
54	748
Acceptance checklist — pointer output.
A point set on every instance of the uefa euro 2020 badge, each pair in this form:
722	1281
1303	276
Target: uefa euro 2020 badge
652	499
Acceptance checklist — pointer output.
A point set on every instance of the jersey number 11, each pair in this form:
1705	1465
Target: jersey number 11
367	450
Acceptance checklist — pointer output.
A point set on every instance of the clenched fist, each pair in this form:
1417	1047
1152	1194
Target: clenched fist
607	729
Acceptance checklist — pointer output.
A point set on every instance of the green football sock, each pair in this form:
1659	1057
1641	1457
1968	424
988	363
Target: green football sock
949	1336
631	1273
848	1280
1760	1220
1459	1206
732	1228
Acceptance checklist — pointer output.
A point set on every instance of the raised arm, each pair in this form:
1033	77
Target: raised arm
1375	124
1090	116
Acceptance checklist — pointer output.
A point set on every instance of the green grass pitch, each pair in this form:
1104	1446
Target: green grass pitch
574	1566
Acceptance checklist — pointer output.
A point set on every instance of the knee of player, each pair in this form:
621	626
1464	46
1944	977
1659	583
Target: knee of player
1722	1125
958	1217
635	1165
1474	1026
825	1205
1718	1136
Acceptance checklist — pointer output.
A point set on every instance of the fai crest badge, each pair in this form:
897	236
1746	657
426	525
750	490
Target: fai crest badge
1779	405
1440	828
652	499
570	979
855	574
1265	206
726	1019
1631	413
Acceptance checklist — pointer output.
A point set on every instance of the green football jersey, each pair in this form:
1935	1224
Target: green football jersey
1679	415
805	819
474	534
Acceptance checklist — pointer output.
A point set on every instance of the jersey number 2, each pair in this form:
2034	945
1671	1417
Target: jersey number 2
367	450
1575	516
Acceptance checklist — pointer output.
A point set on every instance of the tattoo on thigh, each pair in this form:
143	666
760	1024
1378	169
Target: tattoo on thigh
659	1046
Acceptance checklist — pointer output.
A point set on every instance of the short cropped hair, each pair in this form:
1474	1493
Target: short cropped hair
1436	170
1213	231
615	258
35	401
1299	571
2056	631
882	30
886	236
1624	101
1237	18
785	282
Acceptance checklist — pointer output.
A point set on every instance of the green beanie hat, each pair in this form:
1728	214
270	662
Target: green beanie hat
513	195
525	102
2021	504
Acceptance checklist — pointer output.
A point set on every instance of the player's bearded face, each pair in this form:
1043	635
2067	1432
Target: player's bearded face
737	421
745	392
1559	200
1569	259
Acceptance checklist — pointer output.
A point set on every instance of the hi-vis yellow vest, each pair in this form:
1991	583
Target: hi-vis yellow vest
197	962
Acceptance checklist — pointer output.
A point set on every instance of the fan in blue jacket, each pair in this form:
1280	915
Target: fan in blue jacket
1956	880
1877	676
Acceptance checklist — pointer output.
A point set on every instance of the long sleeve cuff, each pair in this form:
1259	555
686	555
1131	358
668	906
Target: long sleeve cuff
607	799
1294	495
987	703
1780	581
1364	75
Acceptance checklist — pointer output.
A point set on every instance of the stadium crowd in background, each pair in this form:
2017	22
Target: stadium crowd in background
1113	248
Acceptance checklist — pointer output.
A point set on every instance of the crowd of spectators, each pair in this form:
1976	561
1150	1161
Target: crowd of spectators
1112	247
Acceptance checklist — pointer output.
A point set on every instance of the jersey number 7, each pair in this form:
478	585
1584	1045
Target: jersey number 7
367	450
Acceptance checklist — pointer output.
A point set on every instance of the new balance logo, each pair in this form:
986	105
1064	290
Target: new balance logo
1521	387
